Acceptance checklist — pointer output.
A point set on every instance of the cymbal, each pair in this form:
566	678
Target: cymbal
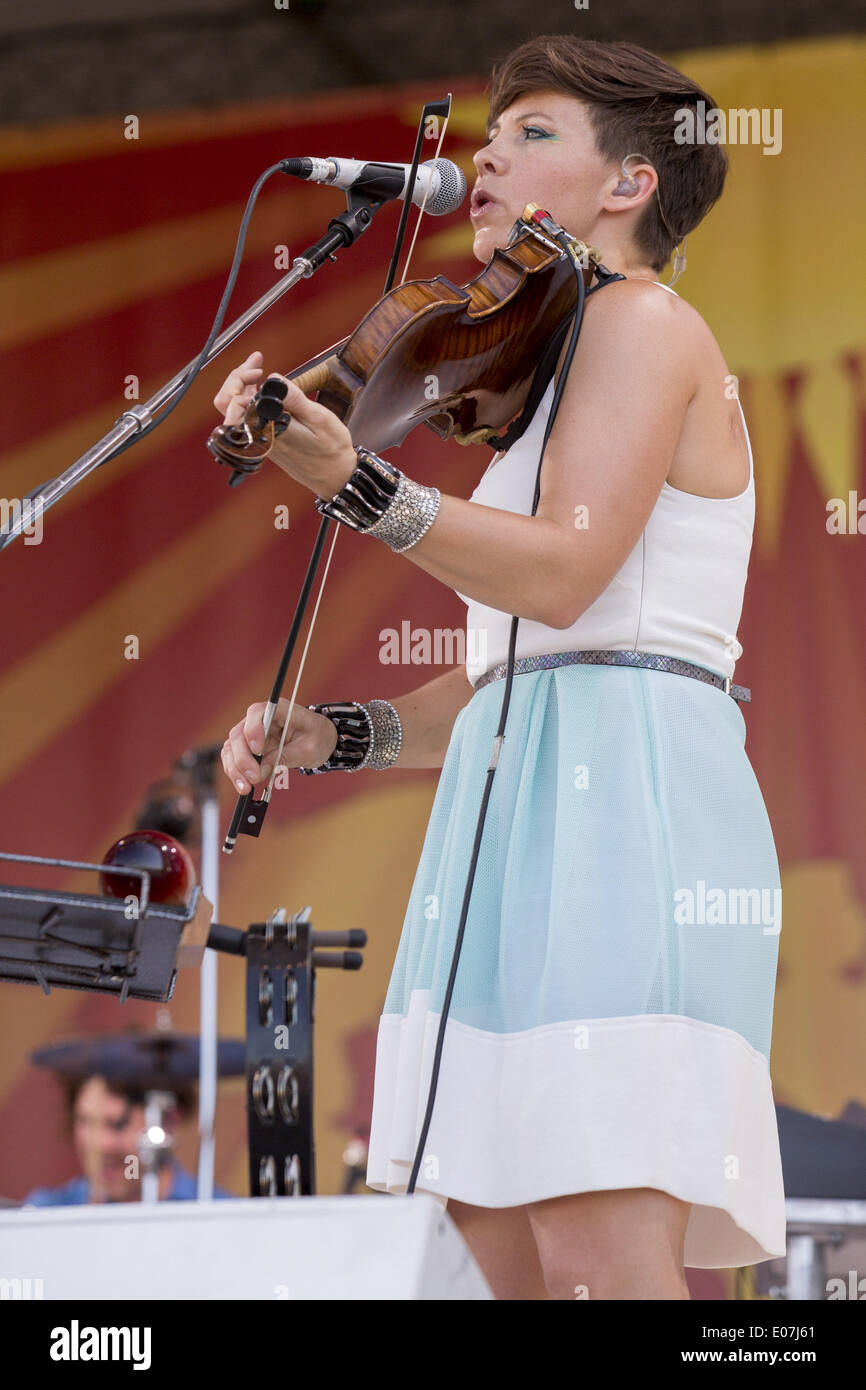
150	1059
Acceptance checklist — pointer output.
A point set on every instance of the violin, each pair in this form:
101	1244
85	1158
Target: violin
459	359
463	360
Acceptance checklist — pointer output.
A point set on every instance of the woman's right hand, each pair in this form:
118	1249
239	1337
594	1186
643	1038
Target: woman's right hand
310	741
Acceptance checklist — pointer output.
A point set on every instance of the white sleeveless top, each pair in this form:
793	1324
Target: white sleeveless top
679	592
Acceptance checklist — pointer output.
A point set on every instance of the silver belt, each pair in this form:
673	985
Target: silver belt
653	660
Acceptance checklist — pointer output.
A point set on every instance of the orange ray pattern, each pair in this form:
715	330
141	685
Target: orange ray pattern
107	294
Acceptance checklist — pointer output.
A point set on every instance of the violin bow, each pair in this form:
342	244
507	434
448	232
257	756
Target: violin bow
249	813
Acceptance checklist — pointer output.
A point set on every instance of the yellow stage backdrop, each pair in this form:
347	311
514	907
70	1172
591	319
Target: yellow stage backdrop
114	257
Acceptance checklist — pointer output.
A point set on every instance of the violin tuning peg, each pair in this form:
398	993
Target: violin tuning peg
274	389
269	408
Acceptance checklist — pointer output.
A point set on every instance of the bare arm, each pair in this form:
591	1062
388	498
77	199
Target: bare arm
427	716
609	451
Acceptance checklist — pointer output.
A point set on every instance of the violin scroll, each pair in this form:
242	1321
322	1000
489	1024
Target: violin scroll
244	447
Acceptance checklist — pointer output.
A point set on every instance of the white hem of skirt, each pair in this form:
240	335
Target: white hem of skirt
655	1100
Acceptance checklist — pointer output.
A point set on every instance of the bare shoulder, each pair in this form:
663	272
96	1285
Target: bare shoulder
633	329
711	457
644	302
652	354
647	314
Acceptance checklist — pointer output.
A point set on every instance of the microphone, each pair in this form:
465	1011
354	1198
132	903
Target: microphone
446	181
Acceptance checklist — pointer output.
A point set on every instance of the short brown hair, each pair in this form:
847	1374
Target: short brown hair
133	1092
633	97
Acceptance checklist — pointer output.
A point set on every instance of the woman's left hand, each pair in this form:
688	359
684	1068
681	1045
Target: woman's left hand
316	449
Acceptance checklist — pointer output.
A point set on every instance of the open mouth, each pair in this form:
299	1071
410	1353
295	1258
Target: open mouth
481	203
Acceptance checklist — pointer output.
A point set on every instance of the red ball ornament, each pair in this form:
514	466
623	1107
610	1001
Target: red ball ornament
172	872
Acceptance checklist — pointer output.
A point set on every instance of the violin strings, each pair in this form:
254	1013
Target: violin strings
426	195
269	789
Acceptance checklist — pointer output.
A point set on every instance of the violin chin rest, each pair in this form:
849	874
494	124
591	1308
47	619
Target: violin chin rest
479	436
446	426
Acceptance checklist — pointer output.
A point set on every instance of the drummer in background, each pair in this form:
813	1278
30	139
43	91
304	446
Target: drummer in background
105	1118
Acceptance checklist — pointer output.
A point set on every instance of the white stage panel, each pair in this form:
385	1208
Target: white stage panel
272	1248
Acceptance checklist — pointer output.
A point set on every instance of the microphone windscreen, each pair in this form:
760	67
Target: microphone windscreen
451	190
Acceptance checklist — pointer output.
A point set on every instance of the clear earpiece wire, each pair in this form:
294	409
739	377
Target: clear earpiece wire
679	263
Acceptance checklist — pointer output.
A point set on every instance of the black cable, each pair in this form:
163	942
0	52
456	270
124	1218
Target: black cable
500	732
196	366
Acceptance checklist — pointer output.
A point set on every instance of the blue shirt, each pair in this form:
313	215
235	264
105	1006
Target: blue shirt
76	1192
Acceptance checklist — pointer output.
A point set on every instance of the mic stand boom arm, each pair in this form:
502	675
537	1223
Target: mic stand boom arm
342	231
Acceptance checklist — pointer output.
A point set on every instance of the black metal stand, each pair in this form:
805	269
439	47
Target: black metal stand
282	958
88	941
130	947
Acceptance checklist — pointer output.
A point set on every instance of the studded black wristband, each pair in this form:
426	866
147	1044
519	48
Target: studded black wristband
368	736
353	737
365	498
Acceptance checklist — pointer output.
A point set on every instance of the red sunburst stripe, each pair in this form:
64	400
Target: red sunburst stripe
66	204
248	627
163	703
154	340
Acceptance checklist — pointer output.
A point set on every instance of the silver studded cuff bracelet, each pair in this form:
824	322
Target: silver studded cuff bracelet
379	500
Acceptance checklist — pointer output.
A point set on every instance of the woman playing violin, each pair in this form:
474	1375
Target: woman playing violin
604	1116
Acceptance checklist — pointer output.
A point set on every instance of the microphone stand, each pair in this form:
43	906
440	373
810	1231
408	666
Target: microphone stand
208	1025
201	763
342	231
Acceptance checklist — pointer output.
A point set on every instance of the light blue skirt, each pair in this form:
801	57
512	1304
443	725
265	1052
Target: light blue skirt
619	959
